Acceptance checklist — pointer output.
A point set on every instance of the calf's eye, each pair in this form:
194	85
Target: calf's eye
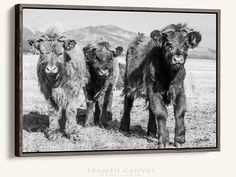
168	47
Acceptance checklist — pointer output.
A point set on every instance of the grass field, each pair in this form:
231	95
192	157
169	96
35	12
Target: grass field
200	118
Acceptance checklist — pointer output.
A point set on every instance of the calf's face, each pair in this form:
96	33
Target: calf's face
52	55
175	44
100	57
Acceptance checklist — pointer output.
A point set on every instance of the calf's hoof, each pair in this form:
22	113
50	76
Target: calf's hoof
73	137
163	145
73	129
103	124
88	124
124	128
73	132
163	139
151	134
178	145
125	131
53	135
179	139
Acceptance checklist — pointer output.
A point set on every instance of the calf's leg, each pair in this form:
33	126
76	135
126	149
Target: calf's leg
104	104
54	126
125	120
109	106
71	126
152	126
179	112
163	133
97	113
89	120
159	111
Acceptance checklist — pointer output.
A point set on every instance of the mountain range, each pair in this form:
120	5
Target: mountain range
113	34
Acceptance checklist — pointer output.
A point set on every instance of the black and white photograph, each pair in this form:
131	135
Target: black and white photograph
118	80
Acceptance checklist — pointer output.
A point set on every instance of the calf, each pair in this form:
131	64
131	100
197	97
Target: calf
62	74
156	65
103	68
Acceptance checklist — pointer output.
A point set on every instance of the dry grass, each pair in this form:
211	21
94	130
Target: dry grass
200	118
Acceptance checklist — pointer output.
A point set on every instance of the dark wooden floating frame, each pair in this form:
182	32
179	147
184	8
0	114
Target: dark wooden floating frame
18	78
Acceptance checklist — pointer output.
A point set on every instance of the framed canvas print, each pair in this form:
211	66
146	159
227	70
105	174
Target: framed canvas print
108	80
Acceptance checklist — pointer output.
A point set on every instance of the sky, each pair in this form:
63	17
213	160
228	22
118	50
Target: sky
42	19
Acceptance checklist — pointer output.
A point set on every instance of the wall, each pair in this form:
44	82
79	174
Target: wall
181	164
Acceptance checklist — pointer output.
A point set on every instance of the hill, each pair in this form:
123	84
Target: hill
113	34
202	53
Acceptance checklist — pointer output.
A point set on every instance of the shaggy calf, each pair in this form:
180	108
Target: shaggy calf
156	65
61	72
103	68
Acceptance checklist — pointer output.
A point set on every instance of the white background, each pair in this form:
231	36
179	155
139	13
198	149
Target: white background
165	165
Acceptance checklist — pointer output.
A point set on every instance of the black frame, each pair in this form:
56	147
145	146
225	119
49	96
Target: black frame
18	77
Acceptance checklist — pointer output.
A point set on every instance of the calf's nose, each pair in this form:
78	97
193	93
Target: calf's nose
178	59
105	67
51	69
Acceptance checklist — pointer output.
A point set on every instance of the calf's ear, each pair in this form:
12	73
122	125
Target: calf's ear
69	44
157	37
31	42
85	50
119	51
193	39
34	43
88	52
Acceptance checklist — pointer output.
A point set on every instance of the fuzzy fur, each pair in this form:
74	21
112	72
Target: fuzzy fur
73	79
155	70
63	91
99	89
